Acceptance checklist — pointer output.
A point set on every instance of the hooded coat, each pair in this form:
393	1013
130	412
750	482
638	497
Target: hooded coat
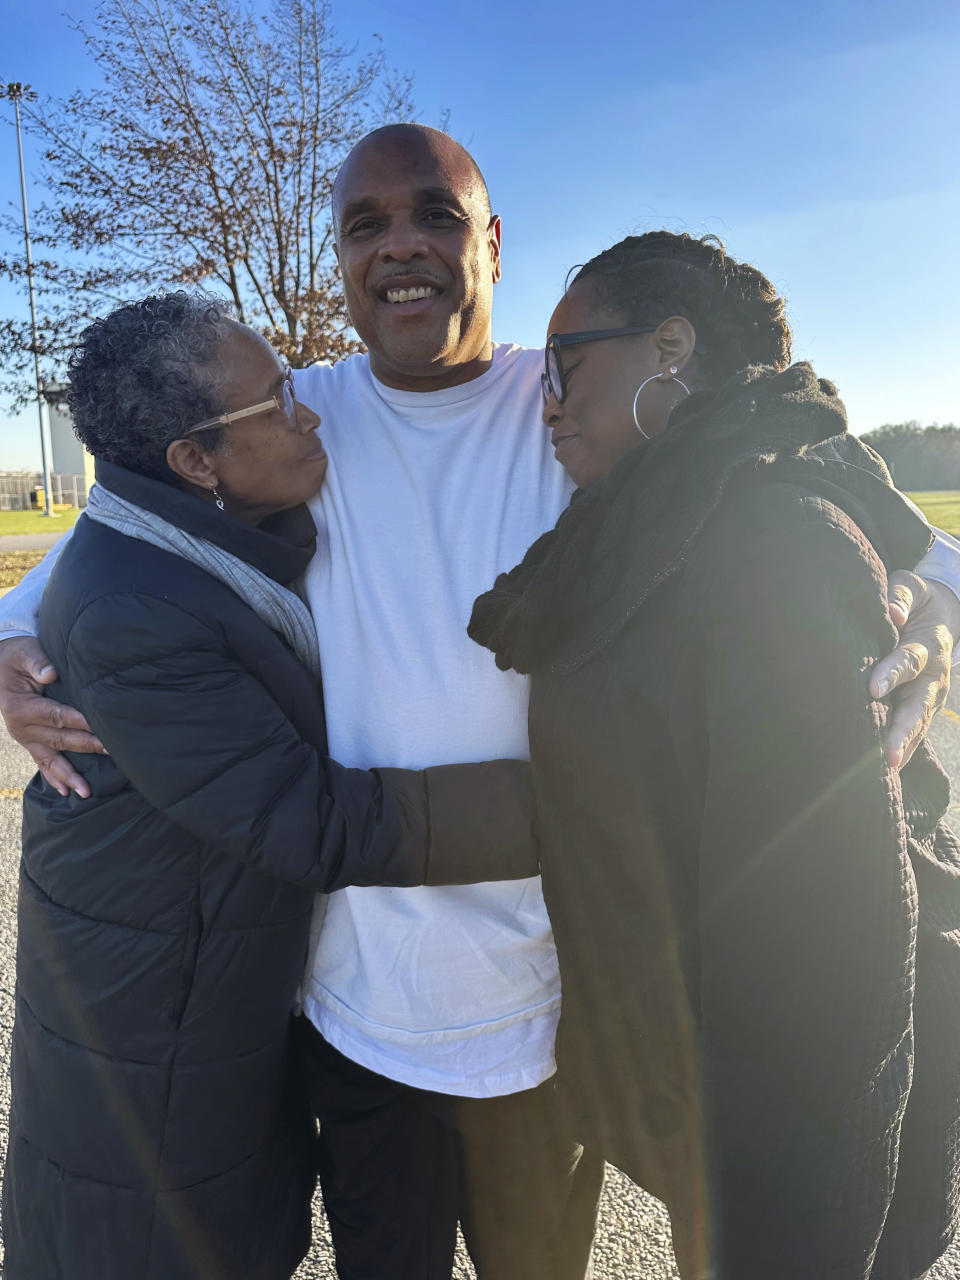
158	1131
757	919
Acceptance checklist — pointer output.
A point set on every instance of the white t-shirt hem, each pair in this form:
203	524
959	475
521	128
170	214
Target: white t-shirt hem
522	1045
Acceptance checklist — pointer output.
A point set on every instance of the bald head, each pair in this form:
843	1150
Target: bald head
419	255
421	149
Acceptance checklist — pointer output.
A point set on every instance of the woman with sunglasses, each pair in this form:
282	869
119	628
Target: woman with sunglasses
758	920
157	1129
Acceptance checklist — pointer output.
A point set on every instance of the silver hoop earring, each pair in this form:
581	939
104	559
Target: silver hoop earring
217	499
653	378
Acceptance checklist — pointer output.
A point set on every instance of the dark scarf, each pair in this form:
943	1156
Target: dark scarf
619	540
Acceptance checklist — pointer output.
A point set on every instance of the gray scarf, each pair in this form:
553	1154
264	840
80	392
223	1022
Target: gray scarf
281	609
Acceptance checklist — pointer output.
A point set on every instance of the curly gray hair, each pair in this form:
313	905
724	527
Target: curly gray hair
143	375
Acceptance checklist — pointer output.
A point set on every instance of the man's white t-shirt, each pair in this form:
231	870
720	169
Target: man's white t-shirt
428	497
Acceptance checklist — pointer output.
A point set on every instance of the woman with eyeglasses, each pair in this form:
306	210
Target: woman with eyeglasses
157	1127
758	920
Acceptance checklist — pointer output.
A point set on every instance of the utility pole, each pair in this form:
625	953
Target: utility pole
17	92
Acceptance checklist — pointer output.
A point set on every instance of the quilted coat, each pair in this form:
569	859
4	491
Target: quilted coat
758	921
157	1129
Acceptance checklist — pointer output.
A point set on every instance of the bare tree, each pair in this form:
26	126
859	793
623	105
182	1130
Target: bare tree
207	157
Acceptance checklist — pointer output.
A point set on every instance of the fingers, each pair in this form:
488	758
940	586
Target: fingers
46	728
47	745
34	721
66	727
906	596
23	664
900	667
923	671
942	611
61	775
25	671
929	618
909	721
77	740
904	592
46	749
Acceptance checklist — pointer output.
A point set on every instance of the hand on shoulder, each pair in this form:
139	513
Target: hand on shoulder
44	727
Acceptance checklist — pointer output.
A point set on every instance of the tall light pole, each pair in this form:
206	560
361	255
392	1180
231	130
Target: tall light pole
17	92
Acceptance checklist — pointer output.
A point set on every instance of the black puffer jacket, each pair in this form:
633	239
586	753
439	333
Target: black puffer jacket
758	921
157	1132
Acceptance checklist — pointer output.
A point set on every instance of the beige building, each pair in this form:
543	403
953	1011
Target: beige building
69	458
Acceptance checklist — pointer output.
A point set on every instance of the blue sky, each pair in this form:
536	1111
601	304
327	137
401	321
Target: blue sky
821	142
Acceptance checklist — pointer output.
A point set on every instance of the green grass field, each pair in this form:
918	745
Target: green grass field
37	522
941	507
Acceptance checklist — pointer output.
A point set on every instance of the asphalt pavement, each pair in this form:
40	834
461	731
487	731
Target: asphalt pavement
633	1240
30	541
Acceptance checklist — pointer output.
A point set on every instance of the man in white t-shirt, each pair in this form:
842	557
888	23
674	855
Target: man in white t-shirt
433	1014
430	1012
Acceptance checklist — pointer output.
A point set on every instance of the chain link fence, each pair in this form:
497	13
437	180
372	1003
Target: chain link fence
23	490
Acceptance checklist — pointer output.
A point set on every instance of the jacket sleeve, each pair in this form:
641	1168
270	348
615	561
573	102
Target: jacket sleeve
200	738
807	905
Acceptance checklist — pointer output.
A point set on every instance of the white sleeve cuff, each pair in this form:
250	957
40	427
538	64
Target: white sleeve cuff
20	608
942	564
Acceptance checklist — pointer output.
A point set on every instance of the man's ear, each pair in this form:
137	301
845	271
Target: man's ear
675	339
191	463
493	239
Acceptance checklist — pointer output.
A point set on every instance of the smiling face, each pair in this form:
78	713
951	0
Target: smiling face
419	253
266	462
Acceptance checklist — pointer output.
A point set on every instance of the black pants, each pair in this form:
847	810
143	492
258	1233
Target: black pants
400	1166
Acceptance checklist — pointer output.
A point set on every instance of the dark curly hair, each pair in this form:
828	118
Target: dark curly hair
143	375
739	317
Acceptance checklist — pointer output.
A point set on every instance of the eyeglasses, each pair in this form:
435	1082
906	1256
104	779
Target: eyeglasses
552	381
285	402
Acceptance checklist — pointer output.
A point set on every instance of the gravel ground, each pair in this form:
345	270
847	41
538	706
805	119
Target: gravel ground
633	1241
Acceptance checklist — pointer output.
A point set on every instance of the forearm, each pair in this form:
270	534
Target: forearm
310	820
243	779
20	608
452	824
481	822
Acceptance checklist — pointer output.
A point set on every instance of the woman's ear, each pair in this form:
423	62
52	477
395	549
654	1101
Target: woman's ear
186	459
675	339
